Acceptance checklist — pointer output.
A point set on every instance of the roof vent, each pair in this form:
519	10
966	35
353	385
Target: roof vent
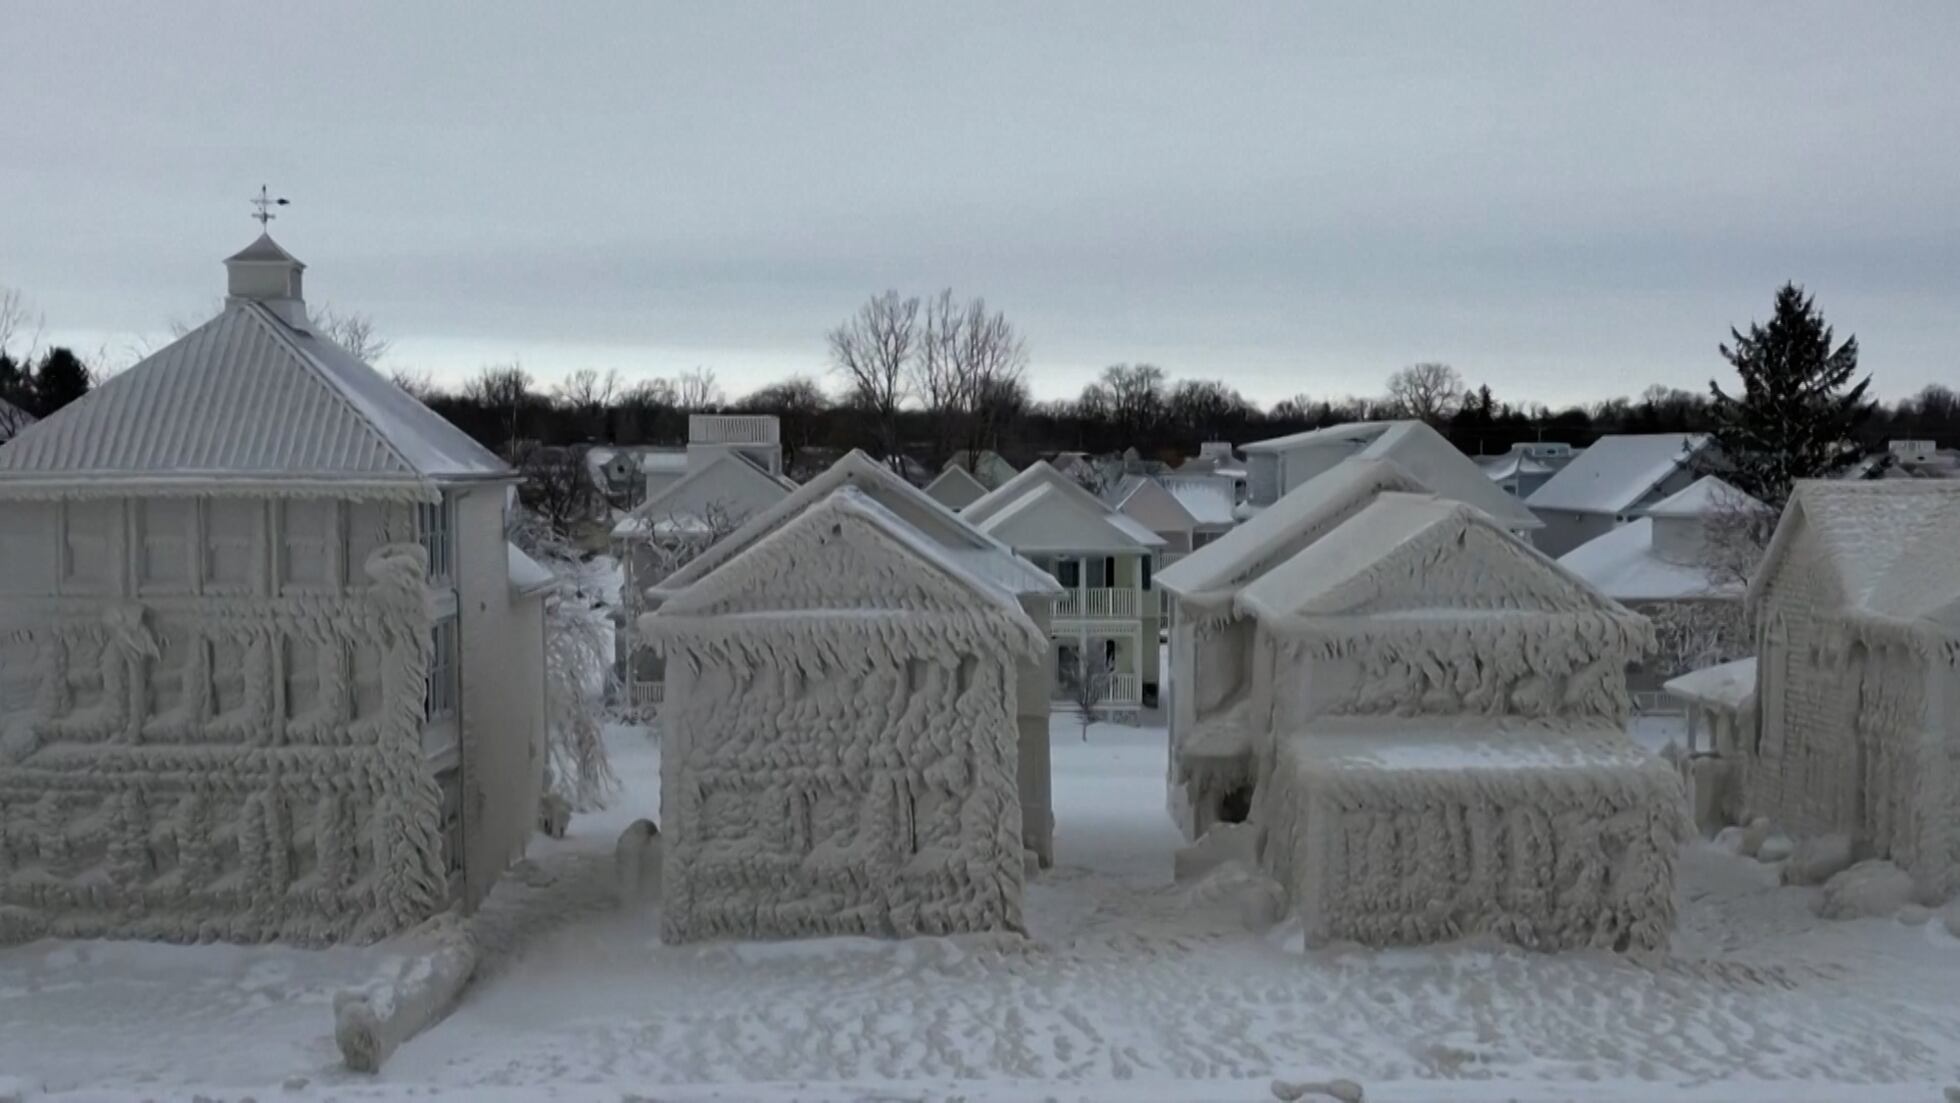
264	273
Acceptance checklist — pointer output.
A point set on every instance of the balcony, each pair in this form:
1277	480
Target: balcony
1098	603
733	429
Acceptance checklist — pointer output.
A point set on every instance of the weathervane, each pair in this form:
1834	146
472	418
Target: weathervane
265	202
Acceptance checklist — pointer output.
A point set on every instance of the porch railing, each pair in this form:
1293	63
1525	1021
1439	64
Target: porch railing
645	697
1099	601
1124	691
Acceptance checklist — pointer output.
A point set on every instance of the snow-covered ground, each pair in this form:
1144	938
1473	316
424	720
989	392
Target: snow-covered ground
1130	988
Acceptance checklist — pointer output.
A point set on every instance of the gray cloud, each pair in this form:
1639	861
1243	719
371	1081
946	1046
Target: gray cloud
1568	201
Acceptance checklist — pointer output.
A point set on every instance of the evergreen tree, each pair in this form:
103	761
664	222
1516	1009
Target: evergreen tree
16	384
1798	408
60	379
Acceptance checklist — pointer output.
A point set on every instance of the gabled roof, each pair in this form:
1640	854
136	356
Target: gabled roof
1889	543
527	575
1616	472
1045	519
1408	554
980	554
1624	566
955	488
246	401
1422	452
729	482
1208	500
1707	495
1040	482
1296	520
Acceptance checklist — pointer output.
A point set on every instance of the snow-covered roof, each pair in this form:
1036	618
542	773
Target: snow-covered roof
247	402
1623	564
1300	517
1889	542
1207	500
1422	452
1392	553
980	553
1705	496
728	482
1041	487
1616	472
1730	686
527	575
1454	745
664	462
1512	464
956	488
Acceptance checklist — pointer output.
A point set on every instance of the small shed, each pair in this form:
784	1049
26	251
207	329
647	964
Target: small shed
840	741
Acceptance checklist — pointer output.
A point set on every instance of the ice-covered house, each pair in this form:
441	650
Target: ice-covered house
1278	466
1436	719
1210	642
840	747
1856	609
723	489
1187	512
956	488
980	554
268	668
1610	484
12	420
1105	561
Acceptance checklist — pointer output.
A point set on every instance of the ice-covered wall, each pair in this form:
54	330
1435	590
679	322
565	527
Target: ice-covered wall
841	752
503	695
241	763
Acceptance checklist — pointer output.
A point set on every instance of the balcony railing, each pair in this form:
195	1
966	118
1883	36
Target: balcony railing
733	429
1099	601
644	697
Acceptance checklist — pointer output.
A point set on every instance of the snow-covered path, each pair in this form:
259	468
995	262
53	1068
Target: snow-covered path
1130	988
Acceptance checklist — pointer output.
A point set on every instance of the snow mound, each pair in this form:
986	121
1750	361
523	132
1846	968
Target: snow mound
1866	890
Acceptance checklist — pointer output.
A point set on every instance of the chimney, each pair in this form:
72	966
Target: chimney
264	273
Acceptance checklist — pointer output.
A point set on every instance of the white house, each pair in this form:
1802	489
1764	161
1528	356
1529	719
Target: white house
1216	458
1187	512
987	467
1611	483
266	668
1526	466
1276	467
12	420
1856	609
956	488
839	747
982	555
1110	612
1437	746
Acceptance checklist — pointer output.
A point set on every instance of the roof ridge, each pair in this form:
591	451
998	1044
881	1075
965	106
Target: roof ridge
324	379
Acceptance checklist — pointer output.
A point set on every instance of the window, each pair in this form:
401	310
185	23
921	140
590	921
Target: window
227	667
1108	571
1109	653
1143	565
27	547
1069	572
166	674
89	533
365	683
302	673
168	529
371	525
306	538
440	699
436	521
231	535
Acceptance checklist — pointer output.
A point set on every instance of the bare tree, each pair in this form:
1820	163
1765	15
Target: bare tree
505	391
15	321
588	395
1132	397
870	352
798	403
969	371
558	487
696	391
416	381
578	633
1087	681
1428	391
353	332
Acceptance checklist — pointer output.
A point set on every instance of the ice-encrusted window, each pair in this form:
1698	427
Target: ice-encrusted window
165	674
301	663
440	699
230	539
436	521
167	530
20	678
88	537
364	683
227	666
27	547
371	525
306	544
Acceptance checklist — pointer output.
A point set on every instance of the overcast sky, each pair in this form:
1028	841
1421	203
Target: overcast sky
1565	200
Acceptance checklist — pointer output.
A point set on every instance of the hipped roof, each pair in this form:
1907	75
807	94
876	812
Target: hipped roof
246	403
1616	472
